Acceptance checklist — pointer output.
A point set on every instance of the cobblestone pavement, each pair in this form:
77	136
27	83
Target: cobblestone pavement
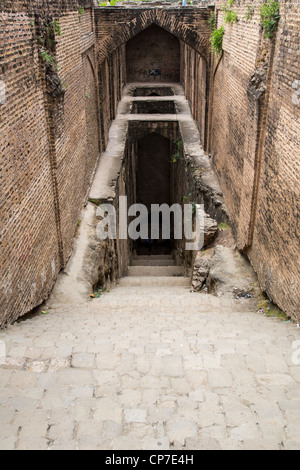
151	368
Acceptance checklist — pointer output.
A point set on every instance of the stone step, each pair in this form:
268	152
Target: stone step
148	291
154	257
155	271
153	262
160	281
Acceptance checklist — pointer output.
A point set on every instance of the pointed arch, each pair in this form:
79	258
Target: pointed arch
116	26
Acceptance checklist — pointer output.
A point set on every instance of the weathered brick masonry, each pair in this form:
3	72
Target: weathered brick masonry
275	248
47	155
254	141
56	118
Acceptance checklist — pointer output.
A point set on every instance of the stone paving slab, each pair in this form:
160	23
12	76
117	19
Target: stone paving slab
150	368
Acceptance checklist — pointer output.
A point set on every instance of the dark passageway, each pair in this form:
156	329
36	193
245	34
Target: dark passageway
153	178
153	55
153	183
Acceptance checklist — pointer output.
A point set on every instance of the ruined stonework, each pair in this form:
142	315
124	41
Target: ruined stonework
63	68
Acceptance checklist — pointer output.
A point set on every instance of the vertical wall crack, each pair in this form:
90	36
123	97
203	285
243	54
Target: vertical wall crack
261	136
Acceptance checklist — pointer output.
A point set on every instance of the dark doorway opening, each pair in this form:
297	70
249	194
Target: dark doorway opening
153	91
153	187
153	107
153	56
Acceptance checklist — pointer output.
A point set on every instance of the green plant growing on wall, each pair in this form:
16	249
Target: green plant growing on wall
80	13
46	31
187	199
63	85
175	158
47	57
270	16
216	40
177	154
56	27
112	3
212	21
230	15
224	226
249	13
194	205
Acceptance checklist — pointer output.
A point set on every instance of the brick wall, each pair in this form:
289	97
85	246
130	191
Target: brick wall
195	78
275	250
29	257
76	148
229	134
47	155
254	142
111	73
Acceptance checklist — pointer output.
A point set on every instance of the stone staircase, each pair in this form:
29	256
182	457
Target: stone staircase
155	270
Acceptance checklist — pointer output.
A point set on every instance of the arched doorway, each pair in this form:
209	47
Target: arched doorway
153	55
